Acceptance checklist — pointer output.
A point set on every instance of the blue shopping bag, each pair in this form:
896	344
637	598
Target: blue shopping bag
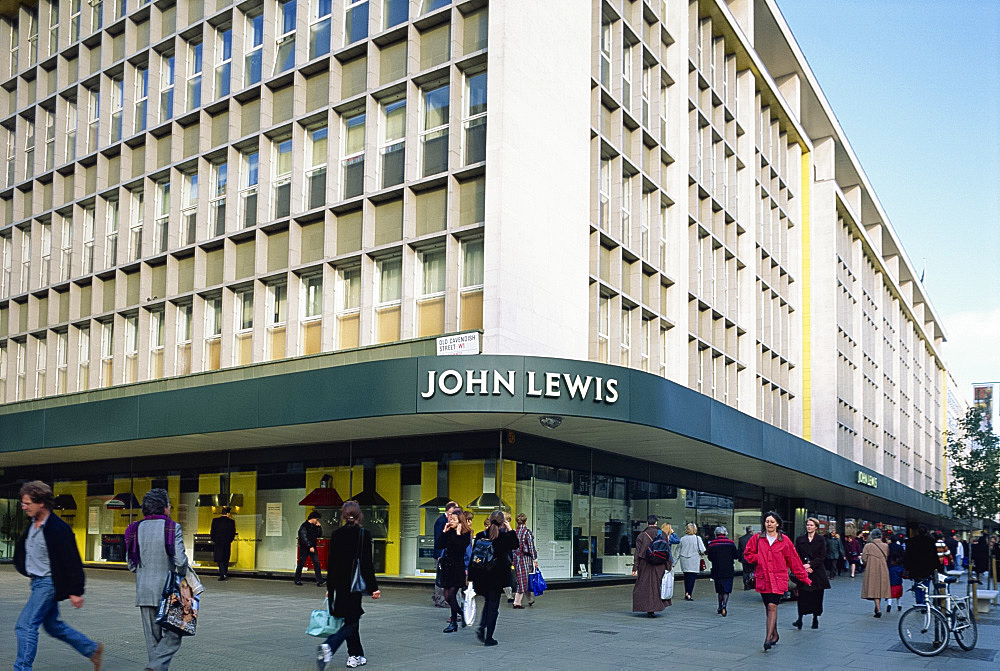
322	624
536	583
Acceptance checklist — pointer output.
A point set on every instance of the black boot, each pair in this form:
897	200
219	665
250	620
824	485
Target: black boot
452	626
815	622
798	623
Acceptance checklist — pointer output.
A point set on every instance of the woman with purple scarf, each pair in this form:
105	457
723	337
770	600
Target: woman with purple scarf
155	547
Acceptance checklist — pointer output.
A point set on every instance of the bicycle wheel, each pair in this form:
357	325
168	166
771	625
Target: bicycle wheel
963	626
923	631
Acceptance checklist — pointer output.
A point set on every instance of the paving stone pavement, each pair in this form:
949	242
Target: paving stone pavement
255	624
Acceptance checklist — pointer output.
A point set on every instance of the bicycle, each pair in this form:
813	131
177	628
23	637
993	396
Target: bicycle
924	628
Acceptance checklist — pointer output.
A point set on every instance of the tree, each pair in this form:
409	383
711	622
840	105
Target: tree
973	490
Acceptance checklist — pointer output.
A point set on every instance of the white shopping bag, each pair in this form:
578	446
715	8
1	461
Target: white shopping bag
667	585
469	610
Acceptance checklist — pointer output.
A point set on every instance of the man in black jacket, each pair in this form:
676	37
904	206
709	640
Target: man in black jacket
47	554
310	532
920	560
223	532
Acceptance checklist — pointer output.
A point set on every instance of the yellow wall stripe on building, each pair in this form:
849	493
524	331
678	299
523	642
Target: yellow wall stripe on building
806	304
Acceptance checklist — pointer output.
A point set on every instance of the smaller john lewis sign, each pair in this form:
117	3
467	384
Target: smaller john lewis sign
462	343
867	480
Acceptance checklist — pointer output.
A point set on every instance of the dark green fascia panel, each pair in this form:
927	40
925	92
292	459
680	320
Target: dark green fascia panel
22	431
97	422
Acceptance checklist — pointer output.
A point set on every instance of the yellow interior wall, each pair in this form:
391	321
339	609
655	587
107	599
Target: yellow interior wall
173	493
76	519
508	485
465	480
387	484
245	483
123	516
428	488
208	483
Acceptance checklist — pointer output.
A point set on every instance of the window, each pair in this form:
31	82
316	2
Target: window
646	76
604	191
395	12
182	366
62	367
664	106
663	348
217	202
253	59
11	156
213	333
41	350
131	349
194	75
348	307
53	27
470	305
161	224
111	234
389	282
663	237
603	328
156	344
434	136
83	359
121	8
393	142
475	118
3	372
46	254
285	45
32	37
626	235
319	28
282	194
431	5
96	14
66	248
644	345
430	300
117	104
88	240
93	118
606	55
312	314
189	209
21	374
355	21
223	61
15	38
627	77
276	320
25	258
243	352
167	62
107	351
6	253
248	188
29	150
316	173
353	161
141	98
136	216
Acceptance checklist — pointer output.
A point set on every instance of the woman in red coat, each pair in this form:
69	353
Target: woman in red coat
773	554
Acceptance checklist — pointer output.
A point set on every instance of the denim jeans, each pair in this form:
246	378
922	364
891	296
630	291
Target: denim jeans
350	633
919	595
42	610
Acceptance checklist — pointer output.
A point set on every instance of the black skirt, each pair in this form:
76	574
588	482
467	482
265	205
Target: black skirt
811	602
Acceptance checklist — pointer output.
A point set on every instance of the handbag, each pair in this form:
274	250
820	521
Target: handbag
357	582
702	566
321	623
536	583
667	585
178	610
469	607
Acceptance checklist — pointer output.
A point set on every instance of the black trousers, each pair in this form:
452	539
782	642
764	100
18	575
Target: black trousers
349	632
223	568
689	581
302	562
491	609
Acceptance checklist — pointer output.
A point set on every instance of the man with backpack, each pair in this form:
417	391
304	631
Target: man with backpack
652	560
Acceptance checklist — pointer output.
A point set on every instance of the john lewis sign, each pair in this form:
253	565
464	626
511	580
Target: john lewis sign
503	383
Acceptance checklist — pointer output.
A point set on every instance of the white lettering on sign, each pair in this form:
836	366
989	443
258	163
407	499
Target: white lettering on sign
549	384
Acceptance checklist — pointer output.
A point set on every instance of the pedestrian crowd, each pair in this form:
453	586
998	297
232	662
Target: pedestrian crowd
471	569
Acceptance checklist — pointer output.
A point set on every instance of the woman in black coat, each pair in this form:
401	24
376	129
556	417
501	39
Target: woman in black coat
490	582
451	575
812	548
349	544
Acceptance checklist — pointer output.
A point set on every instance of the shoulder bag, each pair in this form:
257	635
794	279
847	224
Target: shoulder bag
357	581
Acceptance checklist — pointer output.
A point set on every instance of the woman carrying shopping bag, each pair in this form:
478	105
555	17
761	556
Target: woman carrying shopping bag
525	561
350	574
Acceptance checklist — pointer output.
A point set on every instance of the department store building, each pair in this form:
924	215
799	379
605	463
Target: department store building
241	240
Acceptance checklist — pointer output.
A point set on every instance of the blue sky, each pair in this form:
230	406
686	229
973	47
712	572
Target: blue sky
915	85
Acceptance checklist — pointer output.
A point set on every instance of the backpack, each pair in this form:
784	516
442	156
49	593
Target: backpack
483	558
658	551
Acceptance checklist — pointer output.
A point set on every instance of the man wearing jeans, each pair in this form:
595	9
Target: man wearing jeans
47	554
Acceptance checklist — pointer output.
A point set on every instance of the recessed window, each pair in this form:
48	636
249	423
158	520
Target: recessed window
355	21
434	136
319	28
285	45
393	142
353	161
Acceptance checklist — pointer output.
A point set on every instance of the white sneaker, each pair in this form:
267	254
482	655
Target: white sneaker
323	656
353	662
